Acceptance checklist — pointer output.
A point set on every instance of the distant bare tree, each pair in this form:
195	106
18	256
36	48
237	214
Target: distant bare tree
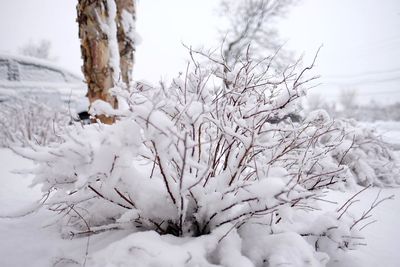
314	101
39	50
347	98
253	22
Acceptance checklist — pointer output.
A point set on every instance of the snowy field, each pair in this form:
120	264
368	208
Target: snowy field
35	241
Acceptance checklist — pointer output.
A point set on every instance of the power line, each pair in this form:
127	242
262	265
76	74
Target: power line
393	92
362	74
358	93
356	83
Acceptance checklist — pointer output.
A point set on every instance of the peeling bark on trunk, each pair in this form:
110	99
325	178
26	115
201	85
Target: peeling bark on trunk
95	31
126	17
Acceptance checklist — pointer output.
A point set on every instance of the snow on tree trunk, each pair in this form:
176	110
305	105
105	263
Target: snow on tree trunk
106	31
126	37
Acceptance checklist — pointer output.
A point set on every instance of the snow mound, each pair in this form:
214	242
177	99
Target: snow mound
223	247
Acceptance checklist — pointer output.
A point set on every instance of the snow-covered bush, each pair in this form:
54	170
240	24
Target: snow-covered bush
212	161
357	150
370	159
28	119
368	112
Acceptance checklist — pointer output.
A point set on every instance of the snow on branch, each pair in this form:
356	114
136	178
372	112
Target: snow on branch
215	154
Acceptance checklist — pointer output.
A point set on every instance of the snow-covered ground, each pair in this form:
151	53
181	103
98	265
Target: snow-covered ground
33	240
381	237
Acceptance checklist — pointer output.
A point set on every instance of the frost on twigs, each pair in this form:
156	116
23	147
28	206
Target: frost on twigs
212	157
27	119
370	159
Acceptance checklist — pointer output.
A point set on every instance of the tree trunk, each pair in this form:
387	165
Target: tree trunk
126	17
106	30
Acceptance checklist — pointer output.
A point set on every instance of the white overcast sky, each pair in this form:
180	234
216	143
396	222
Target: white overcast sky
361	38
